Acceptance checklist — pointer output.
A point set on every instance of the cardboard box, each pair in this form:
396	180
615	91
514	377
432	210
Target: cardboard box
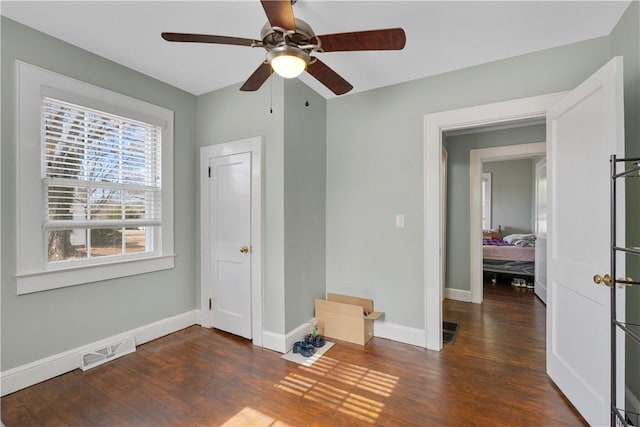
346	318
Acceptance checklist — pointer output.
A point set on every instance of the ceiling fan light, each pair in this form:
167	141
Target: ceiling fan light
288	61
288	66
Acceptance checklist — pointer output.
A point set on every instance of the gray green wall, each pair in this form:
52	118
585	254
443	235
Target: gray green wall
46	323
625	41
305	167
512	194
458	274
294	154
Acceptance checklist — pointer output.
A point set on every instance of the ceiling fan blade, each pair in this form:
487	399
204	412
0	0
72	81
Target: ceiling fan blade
279	13
259	76
328	77
386	39
206	38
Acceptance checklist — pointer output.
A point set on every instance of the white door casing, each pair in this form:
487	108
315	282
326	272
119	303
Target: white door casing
231	218
443	213
583	130
540	229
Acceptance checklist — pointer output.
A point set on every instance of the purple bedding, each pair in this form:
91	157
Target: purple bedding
494	242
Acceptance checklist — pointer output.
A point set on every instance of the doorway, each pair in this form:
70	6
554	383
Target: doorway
231	243
584	126
477	158
508	112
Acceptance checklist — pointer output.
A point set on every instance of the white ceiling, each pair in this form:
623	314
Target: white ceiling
441	35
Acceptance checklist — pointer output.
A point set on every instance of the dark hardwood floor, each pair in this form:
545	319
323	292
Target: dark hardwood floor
494	375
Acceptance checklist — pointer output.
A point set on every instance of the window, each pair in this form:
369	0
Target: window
541	208
101	183
486	201
95	197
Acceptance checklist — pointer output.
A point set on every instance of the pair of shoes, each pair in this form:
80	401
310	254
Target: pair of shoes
519	283
316	341
303	348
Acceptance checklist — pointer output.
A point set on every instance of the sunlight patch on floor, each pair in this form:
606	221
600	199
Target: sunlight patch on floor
249	417
333	397
344	401
354	375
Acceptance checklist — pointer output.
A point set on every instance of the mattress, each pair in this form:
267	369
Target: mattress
513	253
523	268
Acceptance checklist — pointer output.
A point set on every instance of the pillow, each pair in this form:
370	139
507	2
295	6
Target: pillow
513	237
523	240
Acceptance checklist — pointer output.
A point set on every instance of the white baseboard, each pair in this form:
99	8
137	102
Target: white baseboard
40	370
298	334
274	341
283	343
404	334
166	326
399	333
631	401
457	294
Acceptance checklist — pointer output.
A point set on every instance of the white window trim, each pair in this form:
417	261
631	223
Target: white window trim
33	274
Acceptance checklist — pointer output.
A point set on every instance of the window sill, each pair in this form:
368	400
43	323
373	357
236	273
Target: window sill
54	279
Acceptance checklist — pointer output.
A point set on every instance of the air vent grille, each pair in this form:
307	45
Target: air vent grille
105	353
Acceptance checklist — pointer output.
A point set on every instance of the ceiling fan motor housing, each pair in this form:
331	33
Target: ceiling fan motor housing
301	37
289	51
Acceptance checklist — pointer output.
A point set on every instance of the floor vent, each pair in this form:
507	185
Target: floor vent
111	351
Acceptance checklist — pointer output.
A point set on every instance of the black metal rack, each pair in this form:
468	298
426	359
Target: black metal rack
630	168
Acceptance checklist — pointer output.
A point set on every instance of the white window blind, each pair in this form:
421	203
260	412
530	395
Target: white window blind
101	180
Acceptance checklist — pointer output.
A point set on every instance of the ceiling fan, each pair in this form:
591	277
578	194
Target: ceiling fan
291	46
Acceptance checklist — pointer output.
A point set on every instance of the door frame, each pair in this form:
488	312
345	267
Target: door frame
443	264
476	157
435	124
540	288
253	146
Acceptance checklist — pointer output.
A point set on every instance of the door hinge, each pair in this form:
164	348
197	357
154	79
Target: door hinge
209	303
209	171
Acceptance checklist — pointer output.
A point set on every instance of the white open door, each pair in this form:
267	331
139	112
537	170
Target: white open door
540	230
583	130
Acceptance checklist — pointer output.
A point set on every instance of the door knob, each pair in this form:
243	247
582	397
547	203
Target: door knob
606	279
244	250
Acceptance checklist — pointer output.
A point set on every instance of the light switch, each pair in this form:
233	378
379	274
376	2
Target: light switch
399	221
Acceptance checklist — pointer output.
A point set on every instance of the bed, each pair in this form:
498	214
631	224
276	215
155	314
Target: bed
513	254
